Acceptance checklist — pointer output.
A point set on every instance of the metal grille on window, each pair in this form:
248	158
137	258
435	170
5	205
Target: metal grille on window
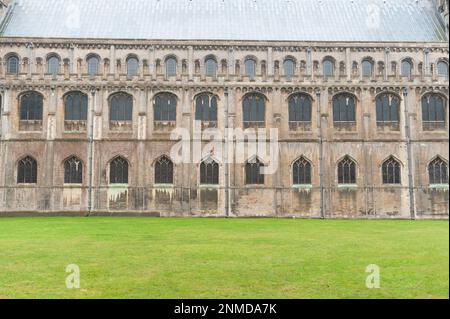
328	68
406	68
301	172
171	67
347	171
206	108
27	171
391	171
121	107
210	67
289	68
13	65
132	66
73	171
53	65
92	64
165	108
442	68
253	172
75	107
118	171
164	171
250	68
433	109
344	109
254	109
367	68
31	105
300	108
209	172
438	171
388	108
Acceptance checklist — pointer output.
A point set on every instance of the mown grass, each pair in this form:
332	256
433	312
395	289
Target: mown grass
222	258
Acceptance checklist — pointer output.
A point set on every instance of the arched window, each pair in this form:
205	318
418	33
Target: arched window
253	174
344	108
388	108
53	65
328	68
165	107
121	107
27	171
250	68
31	105
442	68
209	172
438	171
73	171
301	172
347	171
367	68
433	108
75	106
206	108
92	65
132	66
391	171
300	108
171	66
12	65
406	68
210	67
118	171
164	171
254	109
289	68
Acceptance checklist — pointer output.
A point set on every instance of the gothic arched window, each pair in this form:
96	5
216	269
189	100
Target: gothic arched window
210	67
301	172
433	108
53	65
438	171
388	108
328	68
164	171
254	109
132	66
27	171
171	66
73	171
209	172
165	107
300	108
12	65
121	107
92	65
344	108
75	106
391	171
289	68
206	108
367	68
31	105
253	174
442	69
250	68
347	171
406	68
118	171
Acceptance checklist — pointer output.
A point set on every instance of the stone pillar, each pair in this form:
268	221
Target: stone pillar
190	62
5	114
270	61
387	63
142	122
348	64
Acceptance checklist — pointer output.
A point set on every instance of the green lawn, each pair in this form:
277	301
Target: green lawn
220	258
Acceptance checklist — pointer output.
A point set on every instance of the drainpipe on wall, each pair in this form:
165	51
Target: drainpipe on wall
90	151
409	154
227	175
319	132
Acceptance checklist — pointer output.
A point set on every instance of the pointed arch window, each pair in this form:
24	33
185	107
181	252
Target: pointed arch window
344	108
132	66
433	108
388	108
171	66
210	67
53	65
328	68
31	107
438	171
442	68
254	110
301	172
253	173
209	172
73	171
250	68
367	68
12	65
206	108
300	108
289	68
165	107
121	107
92	65
164	171
347	171
406	68
75	106
27	171
391	170
118	171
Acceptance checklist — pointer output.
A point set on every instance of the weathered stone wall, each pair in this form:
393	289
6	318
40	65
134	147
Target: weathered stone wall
142	144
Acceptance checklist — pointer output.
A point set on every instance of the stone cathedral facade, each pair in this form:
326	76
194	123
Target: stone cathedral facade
91	92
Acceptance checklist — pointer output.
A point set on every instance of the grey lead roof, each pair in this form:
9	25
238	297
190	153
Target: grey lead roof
259	20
